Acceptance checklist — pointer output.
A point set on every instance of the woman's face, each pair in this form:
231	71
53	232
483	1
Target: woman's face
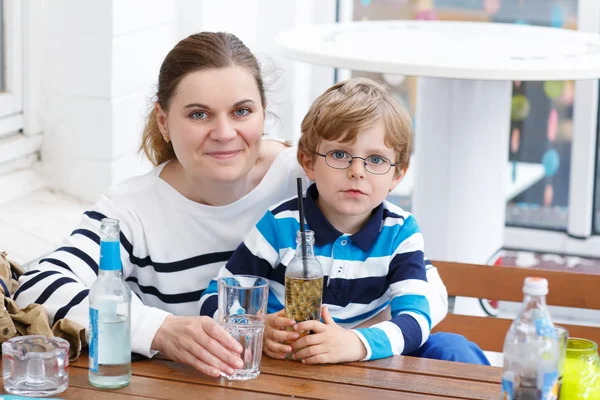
215	121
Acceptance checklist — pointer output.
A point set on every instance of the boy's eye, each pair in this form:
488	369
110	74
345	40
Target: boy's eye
242	112
376	160
339	155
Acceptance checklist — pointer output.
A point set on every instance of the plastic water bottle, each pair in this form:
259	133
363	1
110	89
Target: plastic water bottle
531	349
110	311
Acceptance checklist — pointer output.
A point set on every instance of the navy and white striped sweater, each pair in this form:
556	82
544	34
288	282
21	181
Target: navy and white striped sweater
381	265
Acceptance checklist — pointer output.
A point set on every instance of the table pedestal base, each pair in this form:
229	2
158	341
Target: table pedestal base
461	143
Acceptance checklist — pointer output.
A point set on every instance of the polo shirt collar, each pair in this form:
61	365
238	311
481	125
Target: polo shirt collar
325	233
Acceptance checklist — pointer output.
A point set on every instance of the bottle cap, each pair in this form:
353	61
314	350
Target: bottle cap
535	286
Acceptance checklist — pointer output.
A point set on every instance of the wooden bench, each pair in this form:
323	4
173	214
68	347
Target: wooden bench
568	289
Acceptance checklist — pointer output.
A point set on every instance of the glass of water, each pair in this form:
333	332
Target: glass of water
242	311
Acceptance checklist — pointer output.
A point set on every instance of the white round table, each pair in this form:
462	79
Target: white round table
462	122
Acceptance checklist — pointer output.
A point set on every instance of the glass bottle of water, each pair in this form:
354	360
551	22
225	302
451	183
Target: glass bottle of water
531	349
110	312
304	282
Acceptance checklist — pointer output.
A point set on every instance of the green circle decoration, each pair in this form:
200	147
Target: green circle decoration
554	89
520	108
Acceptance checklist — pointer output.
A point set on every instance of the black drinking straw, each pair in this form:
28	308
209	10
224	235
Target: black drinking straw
302	232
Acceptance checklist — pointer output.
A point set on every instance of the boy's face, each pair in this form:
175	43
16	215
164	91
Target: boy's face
347	196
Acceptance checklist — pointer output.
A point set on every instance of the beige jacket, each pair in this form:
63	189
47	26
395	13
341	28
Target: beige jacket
31	320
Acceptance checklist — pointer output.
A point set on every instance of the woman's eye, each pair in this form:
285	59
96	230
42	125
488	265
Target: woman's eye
198	115
242	112
340	155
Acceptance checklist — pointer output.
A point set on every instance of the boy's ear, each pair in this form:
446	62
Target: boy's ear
308	165
398	176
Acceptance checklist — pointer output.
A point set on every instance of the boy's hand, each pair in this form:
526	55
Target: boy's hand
275	333
329	344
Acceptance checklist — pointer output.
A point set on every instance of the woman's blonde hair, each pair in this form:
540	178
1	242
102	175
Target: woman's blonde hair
351	106
197	52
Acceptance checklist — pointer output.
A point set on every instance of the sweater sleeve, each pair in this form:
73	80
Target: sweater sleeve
257	256
410	309
61	281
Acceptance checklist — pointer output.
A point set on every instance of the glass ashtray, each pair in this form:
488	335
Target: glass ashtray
35	365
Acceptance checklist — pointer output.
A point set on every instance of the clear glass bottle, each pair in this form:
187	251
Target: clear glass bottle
304	282
110	315
531	349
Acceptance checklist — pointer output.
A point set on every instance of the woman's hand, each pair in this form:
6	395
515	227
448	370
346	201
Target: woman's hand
329	344
199	342
275	333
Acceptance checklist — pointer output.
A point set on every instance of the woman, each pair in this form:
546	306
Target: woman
213	180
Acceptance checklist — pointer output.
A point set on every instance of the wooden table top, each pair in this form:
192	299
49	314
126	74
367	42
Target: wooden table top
392	378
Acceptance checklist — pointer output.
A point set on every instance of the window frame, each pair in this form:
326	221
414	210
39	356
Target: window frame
11	99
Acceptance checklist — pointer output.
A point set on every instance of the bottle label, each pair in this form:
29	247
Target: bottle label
111	332
507	389
93	351
544	328
550	386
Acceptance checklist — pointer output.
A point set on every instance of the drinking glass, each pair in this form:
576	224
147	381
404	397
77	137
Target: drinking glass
35	366
242	309
563	338
581	370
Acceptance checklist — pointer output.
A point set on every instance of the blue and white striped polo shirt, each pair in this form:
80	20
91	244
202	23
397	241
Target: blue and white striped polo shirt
382	264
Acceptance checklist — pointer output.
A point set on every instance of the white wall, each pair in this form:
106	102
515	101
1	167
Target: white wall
99	62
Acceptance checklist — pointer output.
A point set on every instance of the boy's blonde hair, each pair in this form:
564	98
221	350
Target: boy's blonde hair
351	106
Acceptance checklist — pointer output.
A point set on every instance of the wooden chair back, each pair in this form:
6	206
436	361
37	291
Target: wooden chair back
568	289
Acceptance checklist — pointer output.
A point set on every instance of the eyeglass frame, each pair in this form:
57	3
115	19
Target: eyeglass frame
352	159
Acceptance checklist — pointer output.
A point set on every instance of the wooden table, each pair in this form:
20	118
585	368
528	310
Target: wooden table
392	378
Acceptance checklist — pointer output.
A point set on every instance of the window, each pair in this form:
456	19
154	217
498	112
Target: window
553	126
11	67
20	130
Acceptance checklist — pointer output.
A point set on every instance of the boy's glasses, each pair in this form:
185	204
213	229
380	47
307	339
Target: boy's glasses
340	159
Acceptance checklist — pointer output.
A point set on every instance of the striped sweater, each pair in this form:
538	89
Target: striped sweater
381	265
171	247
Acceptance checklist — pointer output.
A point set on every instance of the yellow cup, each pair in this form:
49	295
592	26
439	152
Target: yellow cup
581	371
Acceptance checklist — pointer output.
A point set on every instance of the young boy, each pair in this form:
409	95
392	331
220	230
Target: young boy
355	145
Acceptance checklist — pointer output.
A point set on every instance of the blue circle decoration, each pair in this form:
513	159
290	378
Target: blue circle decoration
551	162
365	3
557	16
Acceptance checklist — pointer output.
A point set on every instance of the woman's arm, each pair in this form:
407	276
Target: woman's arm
61	281
436	294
